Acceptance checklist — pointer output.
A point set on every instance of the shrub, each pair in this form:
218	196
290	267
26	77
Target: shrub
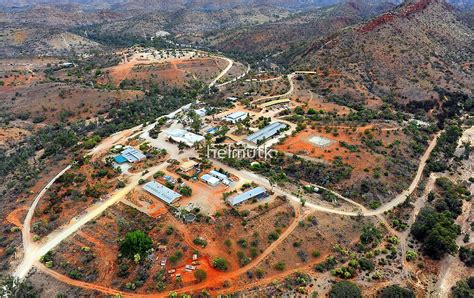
200	275
220	264
200	242
467	256
464	288
280	266
396	291
411	255
366	264
436	231
370	234
345	289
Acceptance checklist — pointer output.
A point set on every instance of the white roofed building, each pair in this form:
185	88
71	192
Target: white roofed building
181	135
235	117
162	192
211	180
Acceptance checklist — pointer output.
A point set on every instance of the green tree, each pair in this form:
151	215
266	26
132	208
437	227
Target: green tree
345	289
136	242
370	234
464	288
436	231
395	291
221	264
200	275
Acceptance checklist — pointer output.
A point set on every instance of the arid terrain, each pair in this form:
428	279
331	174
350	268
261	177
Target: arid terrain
249	148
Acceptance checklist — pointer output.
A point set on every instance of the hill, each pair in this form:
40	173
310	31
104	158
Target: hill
292	33
401	56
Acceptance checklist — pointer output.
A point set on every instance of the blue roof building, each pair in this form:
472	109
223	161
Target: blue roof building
120	159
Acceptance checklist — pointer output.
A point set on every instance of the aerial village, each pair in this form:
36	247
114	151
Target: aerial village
189	183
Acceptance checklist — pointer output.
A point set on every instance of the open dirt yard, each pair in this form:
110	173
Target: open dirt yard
9	136
372	151
93	256
176	72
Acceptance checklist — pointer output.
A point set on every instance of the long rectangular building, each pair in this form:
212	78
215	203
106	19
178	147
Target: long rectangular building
257	192
266	132
162	192
268	104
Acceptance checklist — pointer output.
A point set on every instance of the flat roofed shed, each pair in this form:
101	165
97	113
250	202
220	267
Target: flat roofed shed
187	165
218	175
162	192
256	192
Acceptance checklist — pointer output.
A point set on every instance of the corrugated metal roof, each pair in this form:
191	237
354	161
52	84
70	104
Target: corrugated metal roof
234	116
266	132
210	179
162	192
247	195
274	102
132	154
181	135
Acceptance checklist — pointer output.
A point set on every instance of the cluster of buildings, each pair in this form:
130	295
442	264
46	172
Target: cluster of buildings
214	178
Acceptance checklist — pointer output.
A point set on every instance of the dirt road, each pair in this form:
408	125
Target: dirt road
28	244
235	79
400	198
299	215
33	253
290	78
229	66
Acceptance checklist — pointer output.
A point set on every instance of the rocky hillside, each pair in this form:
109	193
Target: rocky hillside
191	22
400	56
292	33
145	5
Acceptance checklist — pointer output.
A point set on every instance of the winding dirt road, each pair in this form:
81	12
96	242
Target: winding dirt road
228	67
